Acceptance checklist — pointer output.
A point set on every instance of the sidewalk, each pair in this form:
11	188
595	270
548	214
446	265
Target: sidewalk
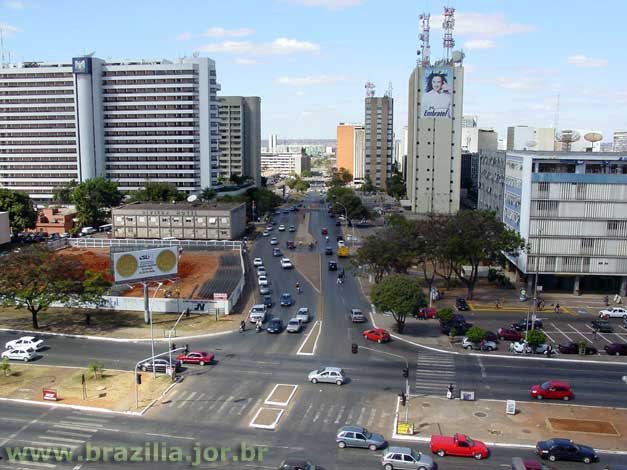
486	420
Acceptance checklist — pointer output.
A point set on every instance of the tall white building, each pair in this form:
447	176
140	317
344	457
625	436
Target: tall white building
285	164
272	143
540	139
130	121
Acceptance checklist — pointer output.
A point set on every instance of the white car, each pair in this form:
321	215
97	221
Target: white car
303	315
281	228
341	243
274	241
520	347
263	280
19	354
265	234
616	312
257	262
286	263
487	345
293	326
257	312
26	342
261	270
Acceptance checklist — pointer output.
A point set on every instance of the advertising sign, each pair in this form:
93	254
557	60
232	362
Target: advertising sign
81	65
510	407
142	265
436	100
49	394
220	296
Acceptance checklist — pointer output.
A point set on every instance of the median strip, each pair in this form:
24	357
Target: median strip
308	348
281	395
266	418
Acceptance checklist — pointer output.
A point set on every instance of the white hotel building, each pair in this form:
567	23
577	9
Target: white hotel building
130	121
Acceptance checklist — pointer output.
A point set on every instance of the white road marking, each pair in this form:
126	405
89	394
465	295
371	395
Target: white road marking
482	367
64	439
600	335
75	428
580	333
215	402
224	404
561	332
361	414
67	433
339	414
370	421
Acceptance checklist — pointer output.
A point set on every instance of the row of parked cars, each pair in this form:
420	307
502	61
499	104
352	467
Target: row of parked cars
23	349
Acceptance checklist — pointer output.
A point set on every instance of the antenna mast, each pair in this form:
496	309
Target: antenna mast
425	48
2	65
369	86
448	25
556	120
389	91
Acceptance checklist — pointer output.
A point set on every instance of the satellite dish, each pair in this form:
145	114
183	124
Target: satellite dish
593	137
568	136
457	56
192	198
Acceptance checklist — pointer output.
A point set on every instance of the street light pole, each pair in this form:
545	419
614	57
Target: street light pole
170	335
152	336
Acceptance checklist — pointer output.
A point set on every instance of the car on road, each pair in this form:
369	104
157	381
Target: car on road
274	241
357	316
324	231
264	290
303	315
486	346
460	304
263	280
333	375
616	349
615	312
459	445
294	326
332	265
270	228
358	436
286	263
261	270
565	449
570	347
257	262
553	390
602	325
265	234
328	251
291	229
509	334
338	223
341	244
299	464
276	252
257	312
281	228
196	357
520	464
524	325
377	334
26	342
159	365
406	459
267	301
286	299
275	326
19	354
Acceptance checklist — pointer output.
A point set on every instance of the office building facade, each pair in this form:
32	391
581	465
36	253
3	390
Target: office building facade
129	121
540	139
285	164
240	137
379	139
620	141
350	150
491	181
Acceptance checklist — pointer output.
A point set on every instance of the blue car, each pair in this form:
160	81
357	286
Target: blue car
275	326
286	300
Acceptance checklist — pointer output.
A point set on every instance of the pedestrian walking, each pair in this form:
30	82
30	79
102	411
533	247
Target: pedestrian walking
557	308
449	391
497	304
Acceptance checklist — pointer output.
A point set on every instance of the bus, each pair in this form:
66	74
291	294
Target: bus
105	228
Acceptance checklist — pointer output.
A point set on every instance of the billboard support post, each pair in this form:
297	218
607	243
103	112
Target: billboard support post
146	304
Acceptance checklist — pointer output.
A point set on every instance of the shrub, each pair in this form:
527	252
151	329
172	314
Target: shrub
446	314
535	338
95	368
475	334
5	366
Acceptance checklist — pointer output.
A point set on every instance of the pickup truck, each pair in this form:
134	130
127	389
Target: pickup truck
458	444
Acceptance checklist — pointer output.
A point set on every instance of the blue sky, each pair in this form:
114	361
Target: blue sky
309	59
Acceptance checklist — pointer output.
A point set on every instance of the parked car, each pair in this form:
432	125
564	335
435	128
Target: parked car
286	263
293	326
509	334
26	342
159	365
275	326
281	228
461	327
276	252
615	312
196	357
491	336
328	251
602	325
377	334
267	301
486	346
524	325
520	464
460	304
274	241
358	436
426	313
286	299
570	347
458	444
299	464
406	459
565	449
334	375
257	312
553	390
332	265
616	349
19	354
357	316
257	262
303	315
522	347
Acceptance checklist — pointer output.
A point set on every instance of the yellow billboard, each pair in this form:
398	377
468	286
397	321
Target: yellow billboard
143	265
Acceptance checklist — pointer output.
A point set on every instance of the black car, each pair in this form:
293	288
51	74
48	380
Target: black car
602	325
460	304
275	326
565	449
491	336
299	464
267	301
616	349
332	265
160	365
328	251
338	224
460	327
339	237
524	325
570	347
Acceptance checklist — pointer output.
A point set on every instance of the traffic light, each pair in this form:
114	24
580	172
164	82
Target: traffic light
406	372
138	379
403	398
354	348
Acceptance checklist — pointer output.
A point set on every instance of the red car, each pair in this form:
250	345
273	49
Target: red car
426	313
378	334
509	334
458	444
325	231
552	389
196	357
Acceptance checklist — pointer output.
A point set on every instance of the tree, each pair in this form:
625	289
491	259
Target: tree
95	368
475	334
207	194
89	292
383	254
341	177
344	200
94	199
236	179
63	194
5	367
306	174
266	201
396	186
368	187
535	338
156	191
445	315
22	213
399	294
36	277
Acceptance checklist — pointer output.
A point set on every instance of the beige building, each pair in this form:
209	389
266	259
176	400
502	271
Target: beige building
350	152
183	221
379	139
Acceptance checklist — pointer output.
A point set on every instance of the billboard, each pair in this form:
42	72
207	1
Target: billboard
436	100
81	65
142	265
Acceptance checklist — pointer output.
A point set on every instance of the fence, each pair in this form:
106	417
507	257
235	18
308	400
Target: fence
143	243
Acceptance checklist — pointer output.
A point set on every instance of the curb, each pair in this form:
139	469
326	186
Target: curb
114	340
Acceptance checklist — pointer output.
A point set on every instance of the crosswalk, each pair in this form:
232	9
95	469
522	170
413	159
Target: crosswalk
434	372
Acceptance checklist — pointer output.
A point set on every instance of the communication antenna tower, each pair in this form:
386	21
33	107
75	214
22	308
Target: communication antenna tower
2	64
390	90
556	121
369	86
448	25
425	48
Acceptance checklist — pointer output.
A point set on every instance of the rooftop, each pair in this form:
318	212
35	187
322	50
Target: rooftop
181	205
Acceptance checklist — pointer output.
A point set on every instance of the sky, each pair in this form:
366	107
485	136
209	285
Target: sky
308	60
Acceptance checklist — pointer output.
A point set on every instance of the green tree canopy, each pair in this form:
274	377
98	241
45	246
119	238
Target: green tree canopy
535	338
156	191
396	186
399	294
94	199
368	187
306	174
476	334
344	200
340	177
63	194
22	213
384	253
207	194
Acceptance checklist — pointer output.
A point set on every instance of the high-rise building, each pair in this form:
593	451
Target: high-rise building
285	164
130	121
350	150
620	141
272	143
470	122
530	138
379	127
240	137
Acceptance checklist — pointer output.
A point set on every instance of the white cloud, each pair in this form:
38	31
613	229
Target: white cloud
185	36
483	24
520	83
245	61
217	32
311	80
588	62
479	44
280	46
9	30
300	93
306	113
14	4
330	4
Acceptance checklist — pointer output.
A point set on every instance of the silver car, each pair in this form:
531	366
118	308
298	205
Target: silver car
293	326
406	459
303	315
357	316
332	375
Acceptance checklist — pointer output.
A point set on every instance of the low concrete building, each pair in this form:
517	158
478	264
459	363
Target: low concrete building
184	221
491	181
55	220
5	228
